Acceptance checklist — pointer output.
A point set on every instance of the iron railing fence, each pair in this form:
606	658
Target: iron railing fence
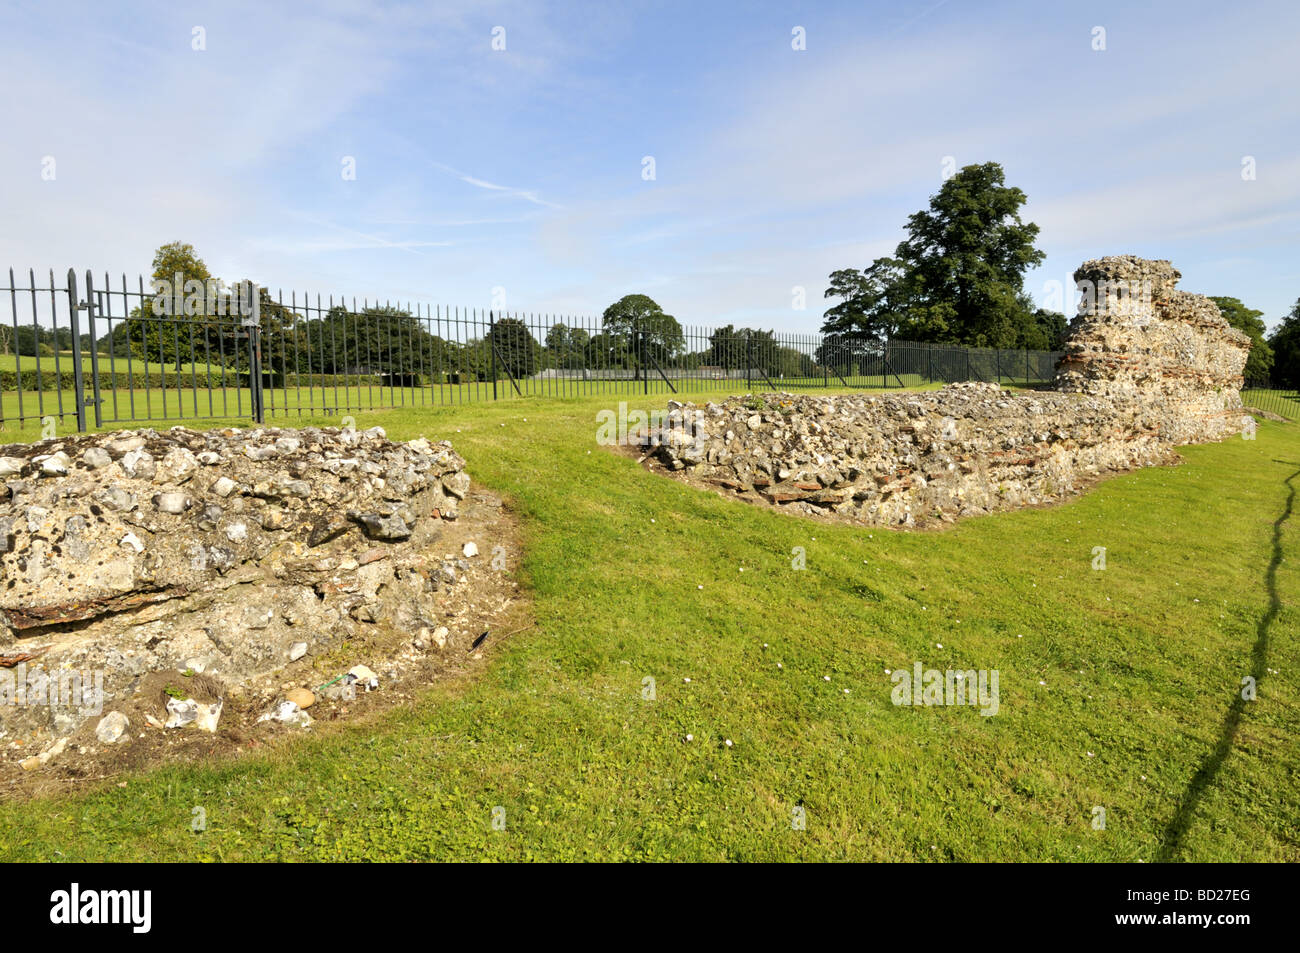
90	352
1267	395
945	363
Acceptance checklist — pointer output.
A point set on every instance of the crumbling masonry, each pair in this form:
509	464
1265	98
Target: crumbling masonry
1147	368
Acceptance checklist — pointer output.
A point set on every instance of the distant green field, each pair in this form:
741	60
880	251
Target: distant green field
64	361
1284	403
21	414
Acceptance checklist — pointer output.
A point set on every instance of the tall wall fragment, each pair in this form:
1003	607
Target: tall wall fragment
1165	354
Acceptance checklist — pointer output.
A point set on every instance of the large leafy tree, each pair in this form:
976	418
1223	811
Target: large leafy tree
1260	363
846	354
606	350
726	348
1285	342
958	276
377	338
1047	332
639	314
177	263
873	301
514	346
285	344
732	348
1041	330
567	346
175	325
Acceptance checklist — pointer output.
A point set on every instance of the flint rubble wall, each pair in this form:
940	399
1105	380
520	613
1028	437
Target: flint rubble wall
222	551
1147	368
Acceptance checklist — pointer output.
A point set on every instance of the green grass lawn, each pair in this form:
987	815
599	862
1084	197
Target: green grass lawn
21	414
1118	688
64	361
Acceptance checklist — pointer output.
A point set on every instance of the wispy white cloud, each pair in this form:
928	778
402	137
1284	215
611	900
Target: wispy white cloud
527	195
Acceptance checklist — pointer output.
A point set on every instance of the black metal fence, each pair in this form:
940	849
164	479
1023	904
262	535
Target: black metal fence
96	353
1267	395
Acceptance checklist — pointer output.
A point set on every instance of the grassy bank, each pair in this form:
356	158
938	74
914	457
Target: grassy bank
1119	688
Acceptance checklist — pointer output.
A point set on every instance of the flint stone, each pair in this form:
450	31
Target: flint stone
111	727
56	464
173	503
95	458
139	465
377	526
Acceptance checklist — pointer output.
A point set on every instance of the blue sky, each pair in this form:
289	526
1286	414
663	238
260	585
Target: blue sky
521	169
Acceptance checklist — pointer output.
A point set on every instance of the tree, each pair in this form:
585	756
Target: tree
516	348
1285	343
638	314
606	351
726	348
958	277
846	354
285	345
192	315
178	273
1047	333
1041	330
874	303
1260	363
376	339
567	346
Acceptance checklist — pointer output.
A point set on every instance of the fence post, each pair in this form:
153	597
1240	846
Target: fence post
78	381
255	375
641	359
253	323
1026	367
94	348
929	364
492	346
749	359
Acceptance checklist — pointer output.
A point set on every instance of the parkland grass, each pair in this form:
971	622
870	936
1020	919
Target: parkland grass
1120	688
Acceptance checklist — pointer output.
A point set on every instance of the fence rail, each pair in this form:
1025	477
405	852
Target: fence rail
96	352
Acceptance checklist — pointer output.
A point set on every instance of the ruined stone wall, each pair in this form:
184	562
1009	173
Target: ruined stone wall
1140	342
1147	367
231	552
905	459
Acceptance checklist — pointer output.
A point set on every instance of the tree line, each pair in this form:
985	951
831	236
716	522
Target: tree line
196	319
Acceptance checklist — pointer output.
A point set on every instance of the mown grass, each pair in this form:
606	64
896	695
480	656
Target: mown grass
23	415
64	360
1117	687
